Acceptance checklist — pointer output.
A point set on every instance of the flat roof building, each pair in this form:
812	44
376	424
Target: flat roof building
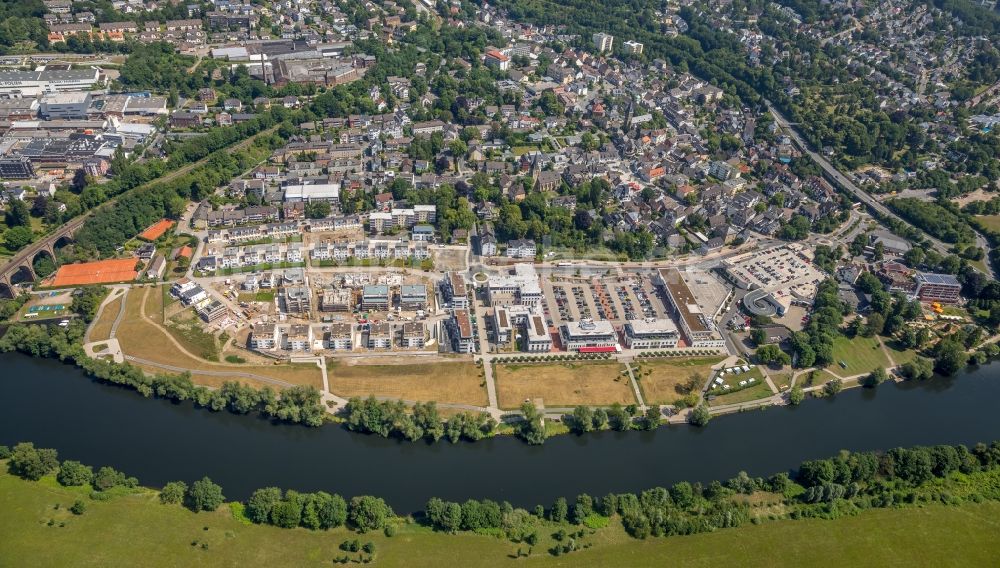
521	287
375	297
651	333
588	333
943	288
698	329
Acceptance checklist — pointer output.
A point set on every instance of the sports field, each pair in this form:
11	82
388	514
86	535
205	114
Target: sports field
156	230
96	272
117	532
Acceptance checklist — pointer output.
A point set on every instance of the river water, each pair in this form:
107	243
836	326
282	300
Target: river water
54	405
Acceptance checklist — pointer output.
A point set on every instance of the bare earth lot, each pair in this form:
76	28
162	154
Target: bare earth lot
563	384
140	335
452	382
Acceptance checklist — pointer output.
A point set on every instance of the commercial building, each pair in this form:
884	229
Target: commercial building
16	167
329	192
536	337
943	288
34	83
698	329
588	333
651	333
603	42
518	288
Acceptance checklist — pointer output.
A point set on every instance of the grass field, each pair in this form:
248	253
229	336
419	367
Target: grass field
899	353
659	378
862	355
781	379
142	338
452	382
122	530
101	328
991	222
563	384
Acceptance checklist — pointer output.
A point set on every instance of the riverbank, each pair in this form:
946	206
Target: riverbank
121	530
114	421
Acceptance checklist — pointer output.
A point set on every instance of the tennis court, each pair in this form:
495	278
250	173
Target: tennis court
97	272
156	230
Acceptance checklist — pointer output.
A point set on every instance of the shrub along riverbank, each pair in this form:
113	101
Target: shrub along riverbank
845	485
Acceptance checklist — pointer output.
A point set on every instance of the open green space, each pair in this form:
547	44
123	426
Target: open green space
665	381
991	222
856	356
129	527
758	389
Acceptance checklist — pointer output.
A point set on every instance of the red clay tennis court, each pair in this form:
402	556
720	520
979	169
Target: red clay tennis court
98	272
156	230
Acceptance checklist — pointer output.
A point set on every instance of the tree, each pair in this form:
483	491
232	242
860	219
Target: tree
700	415
875	378
768	354
261	503
949	357
317	209
16	238
796	395
759	336
173	493
74	474
287	513
651	420
559	511
833	387
368	513
203	495
918	369
108	478
18	214
78	508
583	419
532	429
31	463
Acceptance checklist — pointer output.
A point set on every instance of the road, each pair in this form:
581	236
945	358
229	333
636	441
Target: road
860	194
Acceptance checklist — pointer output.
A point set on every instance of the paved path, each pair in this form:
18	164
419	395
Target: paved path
635	387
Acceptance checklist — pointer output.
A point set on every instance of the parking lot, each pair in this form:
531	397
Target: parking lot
616	299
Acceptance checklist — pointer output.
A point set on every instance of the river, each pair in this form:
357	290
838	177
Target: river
54	405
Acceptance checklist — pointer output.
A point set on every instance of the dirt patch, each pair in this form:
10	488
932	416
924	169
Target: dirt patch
454	383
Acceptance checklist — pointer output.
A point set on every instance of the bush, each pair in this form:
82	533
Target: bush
699	416
108	478
78	507
4	452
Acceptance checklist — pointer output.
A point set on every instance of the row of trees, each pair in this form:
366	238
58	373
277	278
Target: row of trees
299	405
391	419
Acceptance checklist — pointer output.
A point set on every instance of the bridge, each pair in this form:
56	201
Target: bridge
23	263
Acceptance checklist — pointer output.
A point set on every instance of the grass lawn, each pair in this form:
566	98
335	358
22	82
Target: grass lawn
101	328
264	296
145	339
991	222
781	379
659	378
751	391
861	354
563	384
117	532
899	353
458	382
